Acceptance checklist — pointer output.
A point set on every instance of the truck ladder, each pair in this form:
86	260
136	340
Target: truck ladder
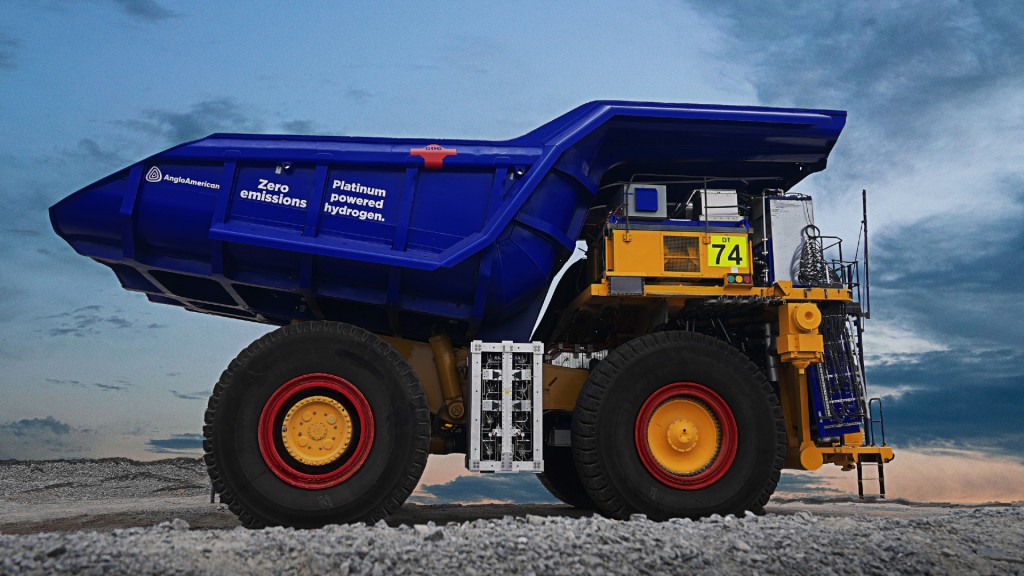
872	458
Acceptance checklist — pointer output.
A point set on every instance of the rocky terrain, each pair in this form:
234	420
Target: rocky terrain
117	516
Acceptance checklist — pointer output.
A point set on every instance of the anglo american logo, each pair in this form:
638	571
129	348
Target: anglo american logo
156	175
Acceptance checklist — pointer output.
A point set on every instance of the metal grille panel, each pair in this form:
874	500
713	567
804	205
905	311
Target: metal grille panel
506	407
837	383
682	254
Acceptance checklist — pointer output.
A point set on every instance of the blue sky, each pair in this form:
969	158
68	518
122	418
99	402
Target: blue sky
934	90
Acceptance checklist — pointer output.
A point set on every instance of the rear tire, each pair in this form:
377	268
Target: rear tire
559	476
668	381
560	479
268	477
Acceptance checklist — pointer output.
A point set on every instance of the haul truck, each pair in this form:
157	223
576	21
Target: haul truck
709	339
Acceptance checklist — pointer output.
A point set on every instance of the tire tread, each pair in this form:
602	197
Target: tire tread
408	378
585	417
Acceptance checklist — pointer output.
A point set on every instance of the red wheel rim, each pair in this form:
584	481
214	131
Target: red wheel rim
283	399
727	435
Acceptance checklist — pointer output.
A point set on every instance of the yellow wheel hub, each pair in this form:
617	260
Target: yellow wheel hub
316	430
683	436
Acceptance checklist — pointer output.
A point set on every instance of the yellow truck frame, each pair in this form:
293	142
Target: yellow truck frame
672	279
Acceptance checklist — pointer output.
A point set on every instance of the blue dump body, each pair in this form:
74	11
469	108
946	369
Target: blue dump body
400	235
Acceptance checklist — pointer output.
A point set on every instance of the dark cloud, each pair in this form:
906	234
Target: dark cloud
64	382
23	232
202	119
118	322
8	50
194	395
953	280
892	58
145	10
90	151
299	126
957	399
117	386
927	83
25	227
955	283
176	443
36	438
517	488
86	322
83	309
359	95
35	427
207	117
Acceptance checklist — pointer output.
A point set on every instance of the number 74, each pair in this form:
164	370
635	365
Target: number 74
734	255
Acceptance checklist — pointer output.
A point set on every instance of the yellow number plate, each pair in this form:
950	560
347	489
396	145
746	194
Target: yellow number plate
728	252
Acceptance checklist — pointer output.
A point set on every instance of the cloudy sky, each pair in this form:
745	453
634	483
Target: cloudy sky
934	90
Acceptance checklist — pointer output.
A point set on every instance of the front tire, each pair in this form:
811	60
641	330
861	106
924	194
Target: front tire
559	476
677	424
313	424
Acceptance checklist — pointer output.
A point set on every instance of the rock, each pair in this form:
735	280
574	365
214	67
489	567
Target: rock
976	540
176	524
57	551
999	554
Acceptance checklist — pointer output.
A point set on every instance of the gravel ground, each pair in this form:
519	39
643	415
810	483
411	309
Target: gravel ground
25	483
794	538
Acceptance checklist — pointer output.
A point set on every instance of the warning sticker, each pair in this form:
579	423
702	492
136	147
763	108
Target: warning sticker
728	252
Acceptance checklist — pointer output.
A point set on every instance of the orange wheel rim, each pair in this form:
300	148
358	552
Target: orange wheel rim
316	431
686	436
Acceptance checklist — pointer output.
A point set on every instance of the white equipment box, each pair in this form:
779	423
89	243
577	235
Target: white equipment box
779	224
506	407
718	205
